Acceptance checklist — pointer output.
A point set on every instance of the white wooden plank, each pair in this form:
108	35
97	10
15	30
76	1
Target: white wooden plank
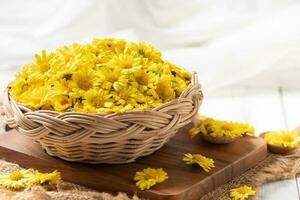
291	99
278	190
286	189
298	184
261	108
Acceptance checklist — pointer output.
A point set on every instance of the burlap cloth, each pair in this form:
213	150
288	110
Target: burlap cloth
274	167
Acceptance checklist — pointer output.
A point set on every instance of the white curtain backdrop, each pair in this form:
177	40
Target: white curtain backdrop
236	43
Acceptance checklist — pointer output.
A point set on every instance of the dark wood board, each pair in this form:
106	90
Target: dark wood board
185	181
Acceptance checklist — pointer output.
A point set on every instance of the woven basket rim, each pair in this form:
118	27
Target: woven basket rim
76	136
23	107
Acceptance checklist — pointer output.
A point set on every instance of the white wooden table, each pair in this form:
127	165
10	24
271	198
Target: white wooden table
266	110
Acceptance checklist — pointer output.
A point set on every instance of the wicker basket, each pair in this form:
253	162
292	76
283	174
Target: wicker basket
112	138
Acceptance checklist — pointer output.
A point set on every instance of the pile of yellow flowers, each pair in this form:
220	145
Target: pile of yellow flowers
283	138
21	178
104	76
218	128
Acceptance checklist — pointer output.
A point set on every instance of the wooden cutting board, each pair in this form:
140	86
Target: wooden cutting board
185	181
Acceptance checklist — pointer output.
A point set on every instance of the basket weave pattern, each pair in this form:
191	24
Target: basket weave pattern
111	138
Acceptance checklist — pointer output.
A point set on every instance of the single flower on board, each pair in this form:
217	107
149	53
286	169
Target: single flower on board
218	128
197	159
282	138
39	178
241	193
149	177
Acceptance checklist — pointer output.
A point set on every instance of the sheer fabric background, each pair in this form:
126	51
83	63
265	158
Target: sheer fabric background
231	44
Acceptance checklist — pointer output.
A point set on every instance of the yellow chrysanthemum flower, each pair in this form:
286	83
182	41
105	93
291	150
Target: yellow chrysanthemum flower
94	99
21	178
283	138
149	177
198	159
164	89
241	193
218	128
146	51
132	73
16	180
39	178
42	62
84	79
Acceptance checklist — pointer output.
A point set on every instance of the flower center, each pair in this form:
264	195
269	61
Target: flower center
226	127
64	101
15	176
150	176
85	84
287	138
97	102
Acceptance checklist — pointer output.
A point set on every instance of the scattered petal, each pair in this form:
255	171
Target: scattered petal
198	159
